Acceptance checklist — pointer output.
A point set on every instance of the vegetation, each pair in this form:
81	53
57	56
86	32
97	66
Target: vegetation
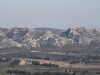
10	59
5	59
44	64
15	62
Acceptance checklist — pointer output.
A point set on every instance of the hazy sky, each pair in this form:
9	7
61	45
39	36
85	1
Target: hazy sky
49	13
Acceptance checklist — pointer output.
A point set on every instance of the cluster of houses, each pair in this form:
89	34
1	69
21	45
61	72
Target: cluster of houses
27	62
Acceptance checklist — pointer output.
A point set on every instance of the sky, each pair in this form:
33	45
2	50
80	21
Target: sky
59	14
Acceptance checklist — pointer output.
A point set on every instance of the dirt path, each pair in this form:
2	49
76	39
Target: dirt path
8	52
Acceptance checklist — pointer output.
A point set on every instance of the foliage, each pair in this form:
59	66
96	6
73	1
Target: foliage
44	64
14	62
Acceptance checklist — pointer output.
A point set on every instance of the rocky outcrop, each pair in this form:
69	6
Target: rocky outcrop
46	37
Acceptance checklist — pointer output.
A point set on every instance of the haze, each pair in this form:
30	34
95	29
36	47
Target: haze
49	13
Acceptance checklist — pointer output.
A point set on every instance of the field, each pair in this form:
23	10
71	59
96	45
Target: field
51	60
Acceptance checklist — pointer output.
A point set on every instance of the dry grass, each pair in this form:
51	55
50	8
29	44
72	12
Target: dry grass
56	53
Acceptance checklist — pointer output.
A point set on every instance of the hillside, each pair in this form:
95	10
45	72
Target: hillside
47	37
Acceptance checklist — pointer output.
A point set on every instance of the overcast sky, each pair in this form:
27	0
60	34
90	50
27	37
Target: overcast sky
49	13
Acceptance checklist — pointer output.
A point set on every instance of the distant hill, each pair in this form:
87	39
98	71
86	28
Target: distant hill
47	37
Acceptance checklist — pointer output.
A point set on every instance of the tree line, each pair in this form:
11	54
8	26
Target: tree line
37	73
44	64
